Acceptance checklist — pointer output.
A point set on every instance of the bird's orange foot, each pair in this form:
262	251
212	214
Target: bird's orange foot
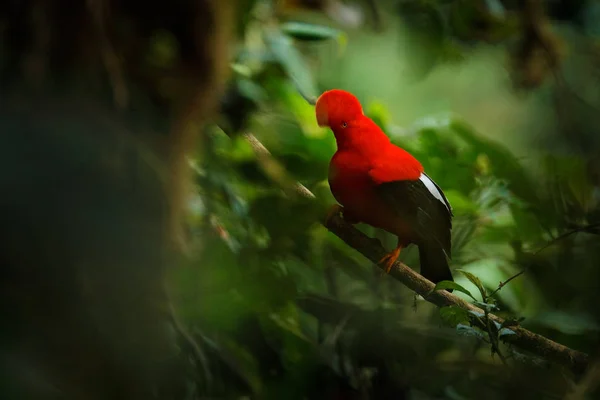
389	259
335	209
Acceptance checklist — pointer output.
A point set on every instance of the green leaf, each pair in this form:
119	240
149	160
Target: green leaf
251	90
292	62
467	330
310	32
452	285
288	320
477	314
590	18
495	8
486	306
461	204
454	315
242	361
475	281
528	227
503	163
505	332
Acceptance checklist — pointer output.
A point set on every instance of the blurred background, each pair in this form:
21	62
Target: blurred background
499	100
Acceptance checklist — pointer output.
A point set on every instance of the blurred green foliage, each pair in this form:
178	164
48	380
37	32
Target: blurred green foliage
286	310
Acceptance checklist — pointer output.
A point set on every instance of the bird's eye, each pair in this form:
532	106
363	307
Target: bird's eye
344	124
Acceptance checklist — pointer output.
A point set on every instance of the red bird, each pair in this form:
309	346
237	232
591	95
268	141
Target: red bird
380	184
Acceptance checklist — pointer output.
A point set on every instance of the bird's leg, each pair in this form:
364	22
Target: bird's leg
390	258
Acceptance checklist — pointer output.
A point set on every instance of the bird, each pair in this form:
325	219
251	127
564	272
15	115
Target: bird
380	184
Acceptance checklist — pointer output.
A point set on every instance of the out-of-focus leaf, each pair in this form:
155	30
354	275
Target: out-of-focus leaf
505	332
379	113
475	281
503	163
527	225
310	32
252	90
287	319
452	53
238	150
570	184
495	8
295	106
238	102
467	330
303	168
569	323
241	69
426	35
591	18
293	62
242	361
452	285
460	203
496	234
253	173
454	315
485	20
287	222
244	14
461	17
477	314
486	306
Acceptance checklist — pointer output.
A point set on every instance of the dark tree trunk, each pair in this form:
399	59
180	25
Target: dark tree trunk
98	101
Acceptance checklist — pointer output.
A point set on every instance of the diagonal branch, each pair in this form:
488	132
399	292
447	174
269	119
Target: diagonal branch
541	346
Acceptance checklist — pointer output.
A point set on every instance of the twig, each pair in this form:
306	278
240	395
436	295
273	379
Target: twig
274	170
574	360
502	284
544	247
493	337
567	234
312	100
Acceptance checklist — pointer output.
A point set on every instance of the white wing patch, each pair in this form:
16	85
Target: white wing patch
434	190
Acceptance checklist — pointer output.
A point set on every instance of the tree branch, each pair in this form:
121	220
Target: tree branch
524	339
539	345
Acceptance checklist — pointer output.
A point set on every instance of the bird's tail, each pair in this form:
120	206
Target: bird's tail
434	263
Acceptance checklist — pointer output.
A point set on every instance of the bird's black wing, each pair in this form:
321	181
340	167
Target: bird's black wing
423	206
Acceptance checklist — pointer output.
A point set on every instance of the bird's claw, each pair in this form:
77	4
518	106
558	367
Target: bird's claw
387	262
389	259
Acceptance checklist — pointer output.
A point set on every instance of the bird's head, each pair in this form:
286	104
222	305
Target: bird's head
337	109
